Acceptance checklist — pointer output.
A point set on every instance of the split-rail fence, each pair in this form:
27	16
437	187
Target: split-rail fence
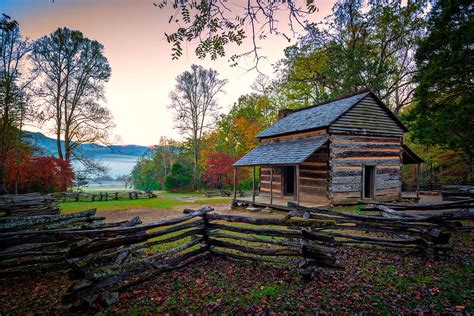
105	259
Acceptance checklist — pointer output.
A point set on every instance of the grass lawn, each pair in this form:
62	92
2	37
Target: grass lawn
181	194
158	203
104	188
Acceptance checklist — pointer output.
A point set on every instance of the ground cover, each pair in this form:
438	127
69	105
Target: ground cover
373	280
376	281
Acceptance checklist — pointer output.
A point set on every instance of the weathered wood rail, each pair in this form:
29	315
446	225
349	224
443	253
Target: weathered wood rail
428	234
27	205
107	258
102	196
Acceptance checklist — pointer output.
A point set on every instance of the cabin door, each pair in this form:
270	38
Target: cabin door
368	184
289	180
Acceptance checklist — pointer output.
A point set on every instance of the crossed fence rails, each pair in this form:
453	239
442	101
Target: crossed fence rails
107	258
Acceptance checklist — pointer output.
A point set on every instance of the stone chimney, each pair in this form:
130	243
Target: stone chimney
284	112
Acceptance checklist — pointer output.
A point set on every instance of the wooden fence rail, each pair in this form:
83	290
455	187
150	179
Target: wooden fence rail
102	196
106	258
16	205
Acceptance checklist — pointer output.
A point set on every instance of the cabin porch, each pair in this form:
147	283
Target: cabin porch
276	203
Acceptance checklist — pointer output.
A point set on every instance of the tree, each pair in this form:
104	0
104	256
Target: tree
237	130
195	107
165	153
358	46
13	91
444	112
180	178
146	174
219	170
72	71
40	174
215	24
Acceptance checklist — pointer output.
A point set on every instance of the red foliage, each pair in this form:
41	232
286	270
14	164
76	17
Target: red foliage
39	174
219	169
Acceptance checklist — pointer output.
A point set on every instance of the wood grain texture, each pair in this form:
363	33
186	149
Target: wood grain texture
367	117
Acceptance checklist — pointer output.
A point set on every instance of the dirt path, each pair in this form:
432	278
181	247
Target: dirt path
153	214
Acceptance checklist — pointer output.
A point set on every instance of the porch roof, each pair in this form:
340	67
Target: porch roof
281	153
409	156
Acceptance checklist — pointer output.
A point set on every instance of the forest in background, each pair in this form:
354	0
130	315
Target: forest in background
416	57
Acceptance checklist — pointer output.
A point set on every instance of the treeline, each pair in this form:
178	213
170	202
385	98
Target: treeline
417	58
56	82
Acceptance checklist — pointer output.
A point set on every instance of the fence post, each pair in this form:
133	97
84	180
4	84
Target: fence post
205	235
305	267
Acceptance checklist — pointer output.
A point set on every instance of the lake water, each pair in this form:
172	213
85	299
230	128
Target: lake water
118	165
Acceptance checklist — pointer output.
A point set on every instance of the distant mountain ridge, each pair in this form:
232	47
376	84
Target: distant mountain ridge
45	145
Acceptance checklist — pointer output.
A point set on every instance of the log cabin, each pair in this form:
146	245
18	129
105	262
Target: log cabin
333	153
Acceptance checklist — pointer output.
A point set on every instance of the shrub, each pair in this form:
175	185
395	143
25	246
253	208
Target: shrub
39	174
180	178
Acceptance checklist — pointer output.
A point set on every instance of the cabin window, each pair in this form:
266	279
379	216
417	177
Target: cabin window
289	180
368	184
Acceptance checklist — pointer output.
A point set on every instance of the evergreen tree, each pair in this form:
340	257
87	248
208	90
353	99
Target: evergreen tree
444	112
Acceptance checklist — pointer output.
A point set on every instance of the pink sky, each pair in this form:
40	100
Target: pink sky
143	73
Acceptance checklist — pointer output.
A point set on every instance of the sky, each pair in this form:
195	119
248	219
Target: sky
143	74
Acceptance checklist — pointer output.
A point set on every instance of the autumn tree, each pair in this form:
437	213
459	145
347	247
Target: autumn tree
14	83
219	170
195	108
72	70
40	174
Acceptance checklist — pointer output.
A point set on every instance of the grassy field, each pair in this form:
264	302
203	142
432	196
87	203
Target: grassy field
158	203
103	188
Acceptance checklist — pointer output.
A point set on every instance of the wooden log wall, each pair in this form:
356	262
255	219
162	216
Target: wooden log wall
314	177
277	181
348	155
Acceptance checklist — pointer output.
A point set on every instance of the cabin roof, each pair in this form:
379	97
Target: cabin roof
409	156
321	115
313	117
281	153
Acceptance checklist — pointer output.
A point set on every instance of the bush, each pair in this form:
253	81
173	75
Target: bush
180	178
39	174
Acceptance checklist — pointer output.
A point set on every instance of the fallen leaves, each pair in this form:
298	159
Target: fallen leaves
390	283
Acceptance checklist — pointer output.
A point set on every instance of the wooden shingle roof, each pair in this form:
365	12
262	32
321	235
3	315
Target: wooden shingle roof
281	153
328	113
314	117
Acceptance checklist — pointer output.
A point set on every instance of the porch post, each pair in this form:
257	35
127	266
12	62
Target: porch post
235	182
418	180
298	184
271	185
253	186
